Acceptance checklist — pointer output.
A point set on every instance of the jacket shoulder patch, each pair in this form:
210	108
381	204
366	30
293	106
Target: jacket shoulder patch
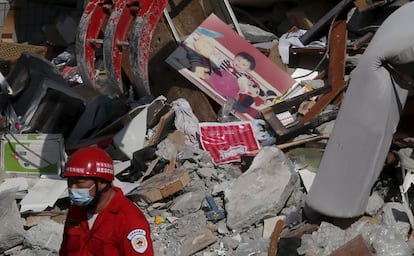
138	240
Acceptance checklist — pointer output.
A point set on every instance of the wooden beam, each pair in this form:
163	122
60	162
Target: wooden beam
336	70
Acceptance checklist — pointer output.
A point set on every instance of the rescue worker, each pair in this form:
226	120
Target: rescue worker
101	220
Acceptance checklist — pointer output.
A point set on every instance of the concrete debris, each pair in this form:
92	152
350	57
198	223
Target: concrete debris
47	235
375	202
266	186
187	203
195	205
197	241
12	232
256	35
253	247
395	215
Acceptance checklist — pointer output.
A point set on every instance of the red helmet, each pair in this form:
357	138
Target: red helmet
90	162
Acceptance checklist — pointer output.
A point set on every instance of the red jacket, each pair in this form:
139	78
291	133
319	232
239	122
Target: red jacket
120	229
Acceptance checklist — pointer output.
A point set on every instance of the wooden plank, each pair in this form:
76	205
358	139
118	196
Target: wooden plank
274	240
8	28
162	127
336	70
163	185
301	142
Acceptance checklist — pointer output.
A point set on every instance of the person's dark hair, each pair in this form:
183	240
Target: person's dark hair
270	93
249	58
261	93
270	96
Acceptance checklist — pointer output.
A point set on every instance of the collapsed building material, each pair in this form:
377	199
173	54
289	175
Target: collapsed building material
282	132
162	185
322	24
266	198
369	115
122	16
12	231
46	235
175	231
197	241
355	247
336	69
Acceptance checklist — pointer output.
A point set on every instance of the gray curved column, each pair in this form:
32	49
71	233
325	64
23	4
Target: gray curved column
366	122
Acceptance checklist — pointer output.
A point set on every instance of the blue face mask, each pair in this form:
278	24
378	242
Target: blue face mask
80	196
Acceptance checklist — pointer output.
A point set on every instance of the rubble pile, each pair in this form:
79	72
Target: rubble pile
246	162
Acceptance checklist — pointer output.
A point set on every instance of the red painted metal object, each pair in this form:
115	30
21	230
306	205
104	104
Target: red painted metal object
87	40
140	42
115	32
126	23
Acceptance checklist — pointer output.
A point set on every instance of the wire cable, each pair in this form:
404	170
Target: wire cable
326	53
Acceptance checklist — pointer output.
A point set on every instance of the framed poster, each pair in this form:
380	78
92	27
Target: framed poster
225	66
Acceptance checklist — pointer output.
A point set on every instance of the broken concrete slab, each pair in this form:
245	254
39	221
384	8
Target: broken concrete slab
207	172
256	34
324	241
33	220
197	241
171	146
255	247
47	235
43	194
394	215
230	242
187	203
262	190
11	225
189	224
388	241
375	203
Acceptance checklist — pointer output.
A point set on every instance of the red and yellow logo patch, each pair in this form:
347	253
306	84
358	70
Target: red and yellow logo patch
138	240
